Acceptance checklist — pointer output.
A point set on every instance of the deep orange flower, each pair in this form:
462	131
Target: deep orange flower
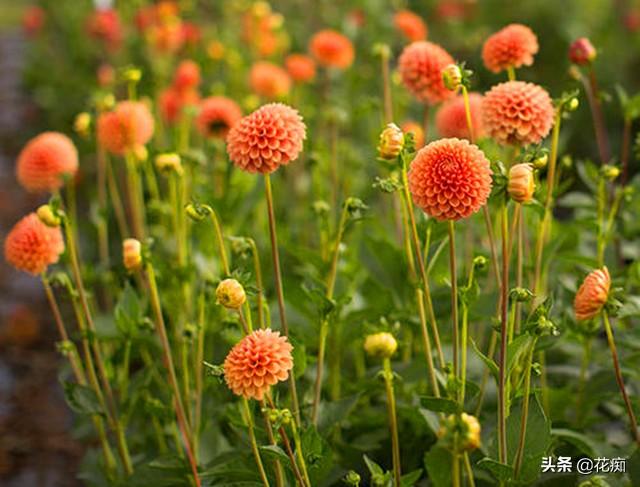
516	112
45	161
451	118
259	361
129	125
31	246
269	80
105	75
410	25
450	179
332	49
301	68
166	37
217	116
187	75
513	46
191	33
268	138
420	65
416	129
172	102
592	295
33	20
582	51
105	25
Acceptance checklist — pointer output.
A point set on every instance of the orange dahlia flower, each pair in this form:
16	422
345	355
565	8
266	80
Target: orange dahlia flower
301	68
416	129
420	65
268	138
268	80
129	125
104	25
33	19
451	118
32	246
410	25
45	161
511	47
259	361
173	101
450	179
187	75
217	116
592	295
332	49
516	112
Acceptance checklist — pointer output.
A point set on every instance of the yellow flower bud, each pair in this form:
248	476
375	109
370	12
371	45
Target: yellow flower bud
131	254
82	124
106	102
48	216
380	345
132	75
140	153
541	161
471	432
521	183
391	142
610	172
168	163
230	294
461	432
452	77
215	50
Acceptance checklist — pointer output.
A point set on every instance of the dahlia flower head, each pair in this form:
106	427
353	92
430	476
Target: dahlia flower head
517	113
413	127
420	66
511	47
187	75
300	67
332	49
104	25
172	102
33	20
45	161
217	116
451	118
450	179
31	246
128	126
592	294
410	25
259	361
270	137
269	80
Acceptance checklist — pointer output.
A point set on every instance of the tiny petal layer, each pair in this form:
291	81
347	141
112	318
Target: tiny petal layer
592	295
259	361
451	118
420	65
511	47
450	179
268	138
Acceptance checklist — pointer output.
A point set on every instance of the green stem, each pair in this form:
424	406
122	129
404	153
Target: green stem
525	411
259	285
254	444
511	73
455	467
427	343
582	383
469	470
393	422
502	399
136	202
454	298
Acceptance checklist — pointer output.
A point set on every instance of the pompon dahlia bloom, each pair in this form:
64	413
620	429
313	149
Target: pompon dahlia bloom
32	246
416	129
510	47
516	112
268	138
45	161
172	102
217	116
187	75
410	25
420	65
259	361
332	49
269	80
450	179
300	67
592	295
451	118
129	125
104	25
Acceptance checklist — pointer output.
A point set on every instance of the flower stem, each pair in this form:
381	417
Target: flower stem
584	370
393	422
386	86
619	379
427	343
136	202
454	298
624	157
592	90
259	285
502	399
275	255
525	411
254	444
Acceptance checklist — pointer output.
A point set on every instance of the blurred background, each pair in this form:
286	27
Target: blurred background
48	68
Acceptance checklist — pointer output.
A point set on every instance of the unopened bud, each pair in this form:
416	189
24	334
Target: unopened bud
582	52
610	172
461	432
541	161
480	262
131	254
452	77
140	153
572	105
381	345
391	142
169	163
48	216
352	478
132	75
521	183
230	294
82	124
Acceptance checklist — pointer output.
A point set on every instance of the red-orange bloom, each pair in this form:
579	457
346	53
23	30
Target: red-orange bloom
332	49
129	125
45	161
105	75
268	138
516	112
450	179
33	20
592	295
217	116
511	47
416	129
268	80
301	68
257	362
172	102
31	246
191	33
451	119
411	25
105	25
187	75
420	65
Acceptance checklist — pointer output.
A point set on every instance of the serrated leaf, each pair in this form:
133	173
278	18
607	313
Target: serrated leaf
437	461
493	367
82	399
499	470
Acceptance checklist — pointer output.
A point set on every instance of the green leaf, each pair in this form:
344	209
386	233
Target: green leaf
299	357
493	367
633	467
580	441
437	461
82	399
439	404
128	311
275	452
331	414
516	349
499	470
373	467
317	454
410	479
